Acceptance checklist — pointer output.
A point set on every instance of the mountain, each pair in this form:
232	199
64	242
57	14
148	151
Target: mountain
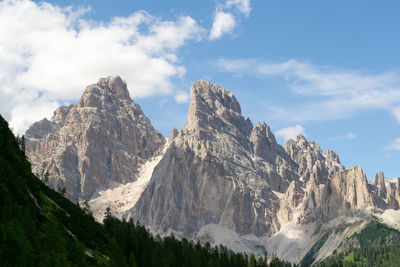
220	179
40	227
94	144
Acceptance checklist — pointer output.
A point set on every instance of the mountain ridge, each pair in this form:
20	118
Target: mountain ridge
222	174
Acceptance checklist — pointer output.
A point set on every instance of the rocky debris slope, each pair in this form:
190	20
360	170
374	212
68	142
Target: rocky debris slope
103	138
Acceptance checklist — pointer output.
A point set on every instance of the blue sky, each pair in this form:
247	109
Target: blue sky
327	69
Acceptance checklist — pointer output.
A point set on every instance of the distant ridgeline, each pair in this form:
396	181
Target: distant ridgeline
40	227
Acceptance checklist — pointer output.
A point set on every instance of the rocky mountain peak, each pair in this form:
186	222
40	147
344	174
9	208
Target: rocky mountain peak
350	190
214	96
332	155
301	139
214	107
379	178
102	139
109	89
311	159
116	85
379	182
264	142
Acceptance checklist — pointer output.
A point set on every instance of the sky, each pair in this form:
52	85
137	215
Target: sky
329	70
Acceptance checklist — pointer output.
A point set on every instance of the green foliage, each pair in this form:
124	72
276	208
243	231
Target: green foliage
367	256
349	258
378	245
34	229
377	234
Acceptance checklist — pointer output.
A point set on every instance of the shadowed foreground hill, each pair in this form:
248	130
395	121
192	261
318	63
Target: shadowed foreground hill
40	227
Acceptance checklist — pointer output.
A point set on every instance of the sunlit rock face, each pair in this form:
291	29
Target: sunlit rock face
218	169
101	139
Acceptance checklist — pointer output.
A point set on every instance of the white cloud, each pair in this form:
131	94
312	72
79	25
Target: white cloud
339	93
223	23
395	145
181	97
243	6
26	112
346	136
290	132
49	54
396	112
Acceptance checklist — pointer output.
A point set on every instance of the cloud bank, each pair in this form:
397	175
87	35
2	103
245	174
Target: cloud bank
49	54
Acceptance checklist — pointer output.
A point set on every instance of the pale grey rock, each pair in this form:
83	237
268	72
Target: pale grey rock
217	170
310	159
101	139
379	182
349	191
293	198
264	146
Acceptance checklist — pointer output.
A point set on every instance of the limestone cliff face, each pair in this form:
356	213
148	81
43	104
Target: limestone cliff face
348	190
217	170
312	161
101	139
386	191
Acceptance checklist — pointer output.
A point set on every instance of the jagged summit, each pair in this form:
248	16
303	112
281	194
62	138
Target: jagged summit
311	159
215	109
103	138
214	95
109	89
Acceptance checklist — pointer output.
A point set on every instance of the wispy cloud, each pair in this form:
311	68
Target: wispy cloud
339	93
290	132
181	97
395	145
49	54
396	113
343	137
243	6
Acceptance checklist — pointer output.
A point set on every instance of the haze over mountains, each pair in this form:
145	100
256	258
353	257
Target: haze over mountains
219	179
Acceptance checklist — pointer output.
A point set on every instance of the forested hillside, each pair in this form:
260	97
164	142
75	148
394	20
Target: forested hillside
375	245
